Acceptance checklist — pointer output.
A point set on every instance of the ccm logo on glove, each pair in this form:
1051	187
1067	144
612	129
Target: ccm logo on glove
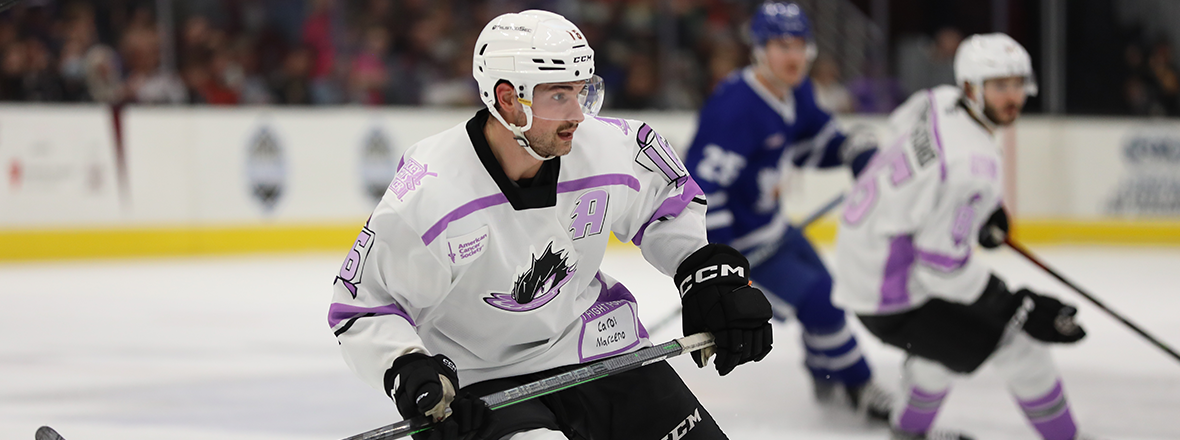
709	272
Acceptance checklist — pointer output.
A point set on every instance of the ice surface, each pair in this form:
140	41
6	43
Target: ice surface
238	348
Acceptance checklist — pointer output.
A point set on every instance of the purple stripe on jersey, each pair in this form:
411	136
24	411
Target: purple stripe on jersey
894	291
937	136
945	263
920	411
460	212
600	180
672	206
341	312
500	198
619	292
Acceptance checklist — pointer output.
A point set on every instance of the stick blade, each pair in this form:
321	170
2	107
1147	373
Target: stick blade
47	433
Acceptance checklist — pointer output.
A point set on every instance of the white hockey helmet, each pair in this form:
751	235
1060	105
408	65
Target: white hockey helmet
530	48
985	56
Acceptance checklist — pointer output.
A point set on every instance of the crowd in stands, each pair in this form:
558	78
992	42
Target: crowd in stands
652	54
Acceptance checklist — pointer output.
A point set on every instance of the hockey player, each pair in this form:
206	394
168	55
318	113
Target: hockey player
756	120
903	254
479	269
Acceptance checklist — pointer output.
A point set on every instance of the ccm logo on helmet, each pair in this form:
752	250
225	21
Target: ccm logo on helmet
709	272
582	59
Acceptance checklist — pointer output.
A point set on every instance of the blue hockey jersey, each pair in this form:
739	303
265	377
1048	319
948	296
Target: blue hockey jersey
744	133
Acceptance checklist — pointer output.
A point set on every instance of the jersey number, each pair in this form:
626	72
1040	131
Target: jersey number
864	194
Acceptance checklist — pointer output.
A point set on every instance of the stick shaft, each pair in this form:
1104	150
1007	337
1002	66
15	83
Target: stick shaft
1022	251
553	384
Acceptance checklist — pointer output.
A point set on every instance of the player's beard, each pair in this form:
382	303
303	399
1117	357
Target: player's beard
549	144
1009	114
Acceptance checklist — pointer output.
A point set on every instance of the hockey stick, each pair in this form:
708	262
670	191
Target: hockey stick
762	254
553	384
1022	251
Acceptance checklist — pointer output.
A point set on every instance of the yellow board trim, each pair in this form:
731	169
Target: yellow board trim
173	241
23	245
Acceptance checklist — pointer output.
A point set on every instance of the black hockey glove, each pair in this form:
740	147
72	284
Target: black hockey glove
861	161
858	149
715	289
426	385
993	233
1050	320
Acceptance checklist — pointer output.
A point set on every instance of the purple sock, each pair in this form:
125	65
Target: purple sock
1050	414
920	410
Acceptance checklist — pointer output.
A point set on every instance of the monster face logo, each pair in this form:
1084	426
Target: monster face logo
539	284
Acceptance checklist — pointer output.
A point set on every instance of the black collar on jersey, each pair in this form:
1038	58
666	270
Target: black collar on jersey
538	192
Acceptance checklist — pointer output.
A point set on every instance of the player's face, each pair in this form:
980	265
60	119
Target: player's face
1003	98
787	59
556	115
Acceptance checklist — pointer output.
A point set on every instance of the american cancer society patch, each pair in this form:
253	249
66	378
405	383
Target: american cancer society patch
464	249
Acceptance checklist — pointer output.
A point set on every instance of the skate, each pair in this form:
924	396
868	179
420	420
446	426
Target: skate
872	402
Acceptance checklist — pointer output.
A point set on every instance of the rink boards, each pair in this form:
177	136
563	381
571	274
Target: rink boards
92	181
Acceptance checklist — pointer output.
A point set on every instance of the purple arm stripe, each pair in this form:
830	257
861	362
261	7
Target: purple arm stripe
341	312
894	290
671	206
500	198
937	137
460	212
602	180
945	263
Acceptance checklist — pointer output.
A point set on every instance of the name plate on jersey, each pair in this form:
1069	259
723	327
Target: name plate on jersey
608	329
464	249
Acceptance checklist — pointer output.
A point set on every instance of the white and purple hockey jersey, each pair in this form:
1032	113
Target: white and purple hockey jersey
503	278
908	228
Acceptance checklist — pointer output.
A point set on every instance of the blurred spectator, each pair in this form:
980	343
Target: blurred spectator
42	82
147	81
830	94
318	29
368	73
1164	78
12	72
639	89
292	83
103	75
924	63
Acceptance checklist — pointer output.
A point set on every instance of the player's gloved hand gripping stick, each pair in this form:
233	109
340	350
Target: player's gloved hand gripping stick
597	370
1022	251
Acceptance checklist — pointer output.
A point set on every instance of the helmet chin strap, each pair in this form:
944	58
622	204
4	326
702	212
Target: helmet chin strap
976	107
518	135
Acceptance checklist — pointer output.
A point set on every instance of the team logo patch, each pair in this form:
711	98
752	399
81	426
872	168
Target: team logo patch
409	177
538	284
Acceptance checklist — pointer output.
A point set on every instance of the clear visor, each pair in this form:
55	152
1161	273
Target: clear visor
1026	84
567	101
